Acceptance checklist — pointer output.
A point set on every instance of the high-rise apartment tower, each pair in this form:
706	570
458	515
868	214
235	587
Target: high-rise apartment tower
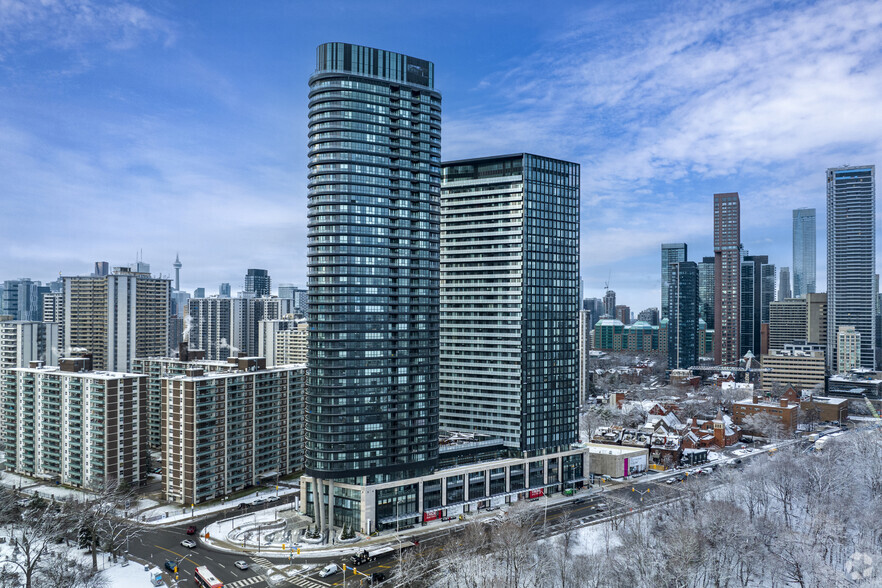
851	258
803	251
727	277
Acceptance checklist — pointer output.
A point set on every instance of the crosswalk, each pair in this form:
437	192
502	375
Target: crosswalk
305	582
245	582
263	562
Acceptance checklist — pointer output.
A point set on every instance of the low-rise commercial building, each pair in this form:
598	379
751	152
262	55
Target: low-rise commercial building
223	432
783	413
76	426
446	492
617	461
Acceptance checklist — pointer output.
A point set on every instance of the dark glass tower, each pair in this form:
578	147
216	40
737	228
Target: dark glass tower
706	291
670	253
510	296
374	233
258	282
683	315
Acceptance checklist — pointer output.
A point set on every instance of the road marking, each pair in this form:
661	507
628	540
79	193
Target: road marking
246	582
183	557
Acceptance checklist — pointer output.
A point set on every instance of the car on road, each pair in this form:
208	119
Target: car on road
378	577
191	530
272	499
579	501
241	564
329	570
258	502
188	543
243	505
170	565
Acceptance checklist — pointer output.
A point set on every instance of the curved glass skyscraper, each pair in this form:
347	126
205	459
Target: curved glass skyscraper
374	234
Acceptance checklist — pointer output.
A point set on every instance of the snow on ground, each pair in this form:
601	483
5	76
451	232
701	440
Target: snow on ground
594	539
164	514
131	576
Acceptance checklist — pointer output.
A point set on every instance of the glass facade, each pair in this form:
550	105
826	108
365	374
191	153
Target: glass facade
683	325
670	253
374	233
706	291
509	301
804	251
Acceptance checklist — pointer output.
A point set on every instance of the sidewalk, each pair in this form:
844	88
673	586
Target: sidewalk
168	514
270	528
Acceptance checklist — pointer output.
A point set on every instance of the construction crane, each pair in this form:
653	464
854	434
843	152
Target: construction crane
749	367
871	407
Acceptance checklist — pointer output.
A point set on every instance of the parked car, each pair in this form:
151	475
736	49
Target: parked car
579	500
258	502
188	543
241	564
329	570
170	565
243	505
191	530
272	499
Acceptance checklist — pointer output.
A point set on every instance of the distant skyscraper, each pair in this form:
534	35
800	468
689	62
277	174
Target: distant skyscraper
22	299
257	281
117	317
706	291
727	277
757	292
199	293
649	315
623	313
224	290
609	303
670	253
784	291
102	268
514	379
683	312
851	258
595	305
803	251
177	265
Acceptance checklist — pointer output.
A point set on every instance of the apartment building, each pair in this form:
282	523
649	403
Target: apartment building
223	432
79	427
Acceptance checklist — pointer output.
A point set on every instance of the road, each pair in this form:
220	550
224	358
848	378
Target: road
160	543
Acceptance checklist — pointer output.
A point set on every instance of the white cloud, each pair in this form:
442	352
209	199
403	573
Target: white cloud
69	24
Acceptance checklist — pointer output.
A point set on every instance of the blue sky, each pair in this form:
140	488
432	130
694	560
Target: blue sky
181	126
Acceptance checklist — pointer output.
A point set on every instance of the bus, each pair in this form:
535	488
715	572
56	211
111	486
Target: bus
205	579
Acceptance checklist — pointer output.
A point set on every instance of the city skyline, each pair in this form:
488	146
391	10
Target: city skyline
133	122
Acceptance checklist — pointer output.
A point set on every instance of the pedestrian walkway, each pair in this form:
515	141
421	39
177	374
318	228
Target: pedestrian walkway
305	582
246	582
262	561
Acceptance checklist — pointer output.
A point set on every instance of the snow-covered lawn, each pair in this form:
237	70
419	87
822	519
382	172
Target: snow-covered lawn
131	576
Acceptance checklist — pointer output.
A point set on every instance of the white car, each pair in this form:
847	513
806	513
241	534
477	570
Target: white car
188	543
241	564
329	570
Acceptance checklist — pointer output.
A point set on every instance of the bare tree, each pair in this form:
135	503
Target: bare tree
100	521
